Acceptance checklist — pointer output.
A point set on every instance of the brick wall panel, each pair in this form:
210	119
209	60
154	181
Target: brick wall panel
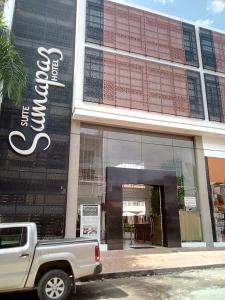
219	44
136	27
123	86
109	79
109	25
141	32
138	74
137	84
122	28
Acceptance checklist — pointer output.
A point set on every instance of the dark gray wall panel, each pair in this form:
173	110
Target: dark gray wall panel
34	187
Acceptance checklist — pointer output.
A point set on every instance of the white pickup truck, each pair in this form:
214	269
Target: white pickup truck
51	267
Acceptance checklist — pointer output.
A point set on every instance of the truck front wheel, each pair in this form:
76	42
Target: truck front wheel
54	285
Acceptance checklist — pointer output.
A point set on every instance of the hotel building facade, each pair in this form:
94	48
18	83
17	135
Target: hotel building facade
124	112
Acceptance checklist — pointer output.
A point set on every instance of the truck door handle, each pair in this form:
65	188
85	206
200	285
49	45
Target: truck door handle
24	255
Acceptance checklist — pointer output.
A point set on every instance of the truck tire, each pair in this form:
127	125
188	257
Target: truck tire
54	285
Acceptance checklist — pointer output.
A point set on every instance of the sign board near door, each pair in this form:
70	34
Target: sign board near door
190	202
90	222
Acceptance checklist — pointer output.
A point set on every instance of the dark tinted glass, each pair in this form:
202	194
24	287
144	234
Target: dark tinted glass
13	237
94	21
208	50
190	45
195	95
214	98
28	182
93	76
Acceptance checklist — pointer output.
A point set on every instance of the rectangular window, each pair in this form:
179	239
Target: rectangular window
13	237
190	45
94	21
208	50
214	98
93	76
195	95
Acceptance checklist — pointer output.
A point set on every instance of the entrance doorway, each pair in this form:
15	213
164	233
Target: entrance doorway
166	184
142	216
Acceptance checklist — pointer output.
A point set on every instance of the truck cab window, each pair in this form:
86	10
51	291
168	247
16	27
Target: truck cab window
13	237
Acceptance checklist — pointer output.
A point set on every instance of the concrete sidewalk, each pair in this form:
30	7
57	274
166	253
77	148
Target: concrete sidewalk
159	260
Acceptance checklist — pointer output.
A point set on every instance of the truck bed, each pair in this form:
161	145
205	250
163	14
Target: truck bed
65	241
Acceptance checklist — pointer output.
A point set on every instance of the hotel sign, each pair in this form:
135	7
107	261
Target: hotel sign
34	116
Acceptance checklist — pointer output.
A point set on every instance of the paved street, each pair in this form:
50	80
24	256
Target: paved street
199	285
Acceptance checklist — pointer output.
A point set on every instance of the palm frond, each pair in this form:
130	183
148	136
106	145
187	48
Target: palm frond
12	72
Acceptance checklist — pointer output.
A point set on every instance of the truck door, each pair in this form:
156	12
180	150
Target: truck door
15	257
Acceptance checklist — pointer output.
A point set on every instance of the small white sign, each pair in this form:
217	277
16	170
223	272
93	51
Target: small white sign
190	201
90	225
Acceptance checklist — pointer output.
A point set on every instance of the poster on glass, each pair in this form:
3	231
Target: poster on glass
90	221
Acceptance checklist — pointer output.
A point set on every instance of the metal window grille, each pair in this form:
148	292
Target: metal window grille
214	98
190	45
94	21
208	51
195	95
93	76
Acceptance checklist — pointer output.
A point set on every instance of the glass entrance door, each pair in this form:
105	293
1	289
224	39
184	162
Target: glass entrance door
142	216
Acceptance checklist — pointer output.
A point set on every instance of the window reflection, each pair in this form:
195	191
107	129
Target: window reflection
102	147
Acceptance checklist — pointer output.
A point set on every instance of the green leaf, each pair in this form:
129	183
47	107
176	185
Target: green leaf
12	72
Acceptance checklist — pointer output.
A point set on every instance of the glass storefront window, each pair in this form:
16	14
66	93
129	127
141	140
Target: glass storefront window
218	198
120	153
216	186
102	147
157	157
